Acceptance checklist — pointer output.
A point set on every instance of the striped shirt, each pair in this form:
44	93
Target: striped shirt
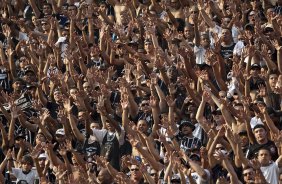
188	143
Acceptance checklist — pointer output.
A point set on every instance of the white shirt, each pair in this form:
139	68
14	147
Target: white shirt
29	178
271	173
200	53
200	180
100	134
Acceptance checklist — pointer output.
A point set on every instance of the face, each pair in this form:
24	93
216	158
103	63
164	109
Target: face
175	4
142	126
87	87
26	166
73	93
248	175
144	106
95	126
45	26
136	175
42	162
94	51
60	138
264	157
244	140
109	127
40	138
148	47
57	96
186	130
225	22
17	86
23	62
260	134
47	10
255	72
226	35
81	116
273	80
205	41
189	32
72	11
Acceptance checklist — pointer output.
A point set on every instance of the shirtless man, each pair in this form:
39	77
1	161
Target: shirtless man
119	7
176	9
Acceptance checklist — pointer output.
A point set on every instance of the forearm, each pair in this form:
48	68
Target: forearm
74	128
11	132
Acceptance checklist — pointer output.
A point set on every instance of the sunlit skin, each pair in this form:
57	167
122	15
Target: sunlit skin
264	157
260	135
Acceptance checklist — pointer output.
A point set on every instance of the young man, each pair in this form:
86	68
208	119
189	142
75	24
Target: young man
269	168
25	173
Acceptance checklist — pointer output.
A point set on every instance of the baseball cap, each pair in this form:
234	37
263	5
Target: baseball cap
255	65
60	131
186	123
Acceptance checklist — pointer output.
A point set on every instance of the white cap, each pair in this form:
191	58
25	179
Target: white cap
60	131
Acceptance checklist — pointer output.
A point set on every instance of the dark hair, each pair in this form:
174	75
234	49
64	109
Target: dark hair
27	159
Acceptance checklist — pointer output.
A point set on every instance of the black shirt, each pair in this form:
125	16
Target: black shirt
256	147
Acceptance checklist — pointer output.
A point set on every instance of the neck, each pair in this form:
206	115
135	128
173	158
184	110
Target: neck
264	141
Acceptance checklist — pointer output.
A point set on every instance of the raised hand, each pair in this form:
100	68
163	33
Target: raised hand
153	101
170	101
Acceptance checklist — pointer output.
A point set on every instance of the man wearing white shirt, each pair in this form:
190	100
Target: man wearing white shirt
269	168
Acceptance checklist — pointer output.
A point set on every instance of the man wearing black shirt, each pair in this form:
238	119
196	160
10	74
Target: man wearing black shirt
262	141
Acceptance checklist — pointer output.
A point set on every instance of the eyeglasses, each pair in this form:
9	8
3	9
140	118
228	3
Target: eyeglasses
144	104
222	96
194	12
153	174
134	169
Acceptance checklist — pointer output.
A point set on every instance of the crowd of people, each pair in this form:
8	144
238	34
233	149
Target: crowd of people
141	91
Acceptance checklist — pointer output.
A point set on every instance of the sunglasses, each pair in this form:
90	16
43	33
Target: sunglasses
144	104
135	169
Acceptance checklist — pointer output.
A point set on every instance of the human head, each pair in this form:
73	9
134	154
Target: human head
248	174
47	9
58	95
186	128
226	36
135	173
104	176
205	41
60	135
27	163
17	84
260	133
272	79
142	126
255	69
189	33
264	156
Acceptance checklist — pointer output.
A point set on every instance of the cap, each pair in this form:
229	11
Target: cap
29	86
255	65
186	123
28	71
42	155
60	131
252	13
20	136
259	126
